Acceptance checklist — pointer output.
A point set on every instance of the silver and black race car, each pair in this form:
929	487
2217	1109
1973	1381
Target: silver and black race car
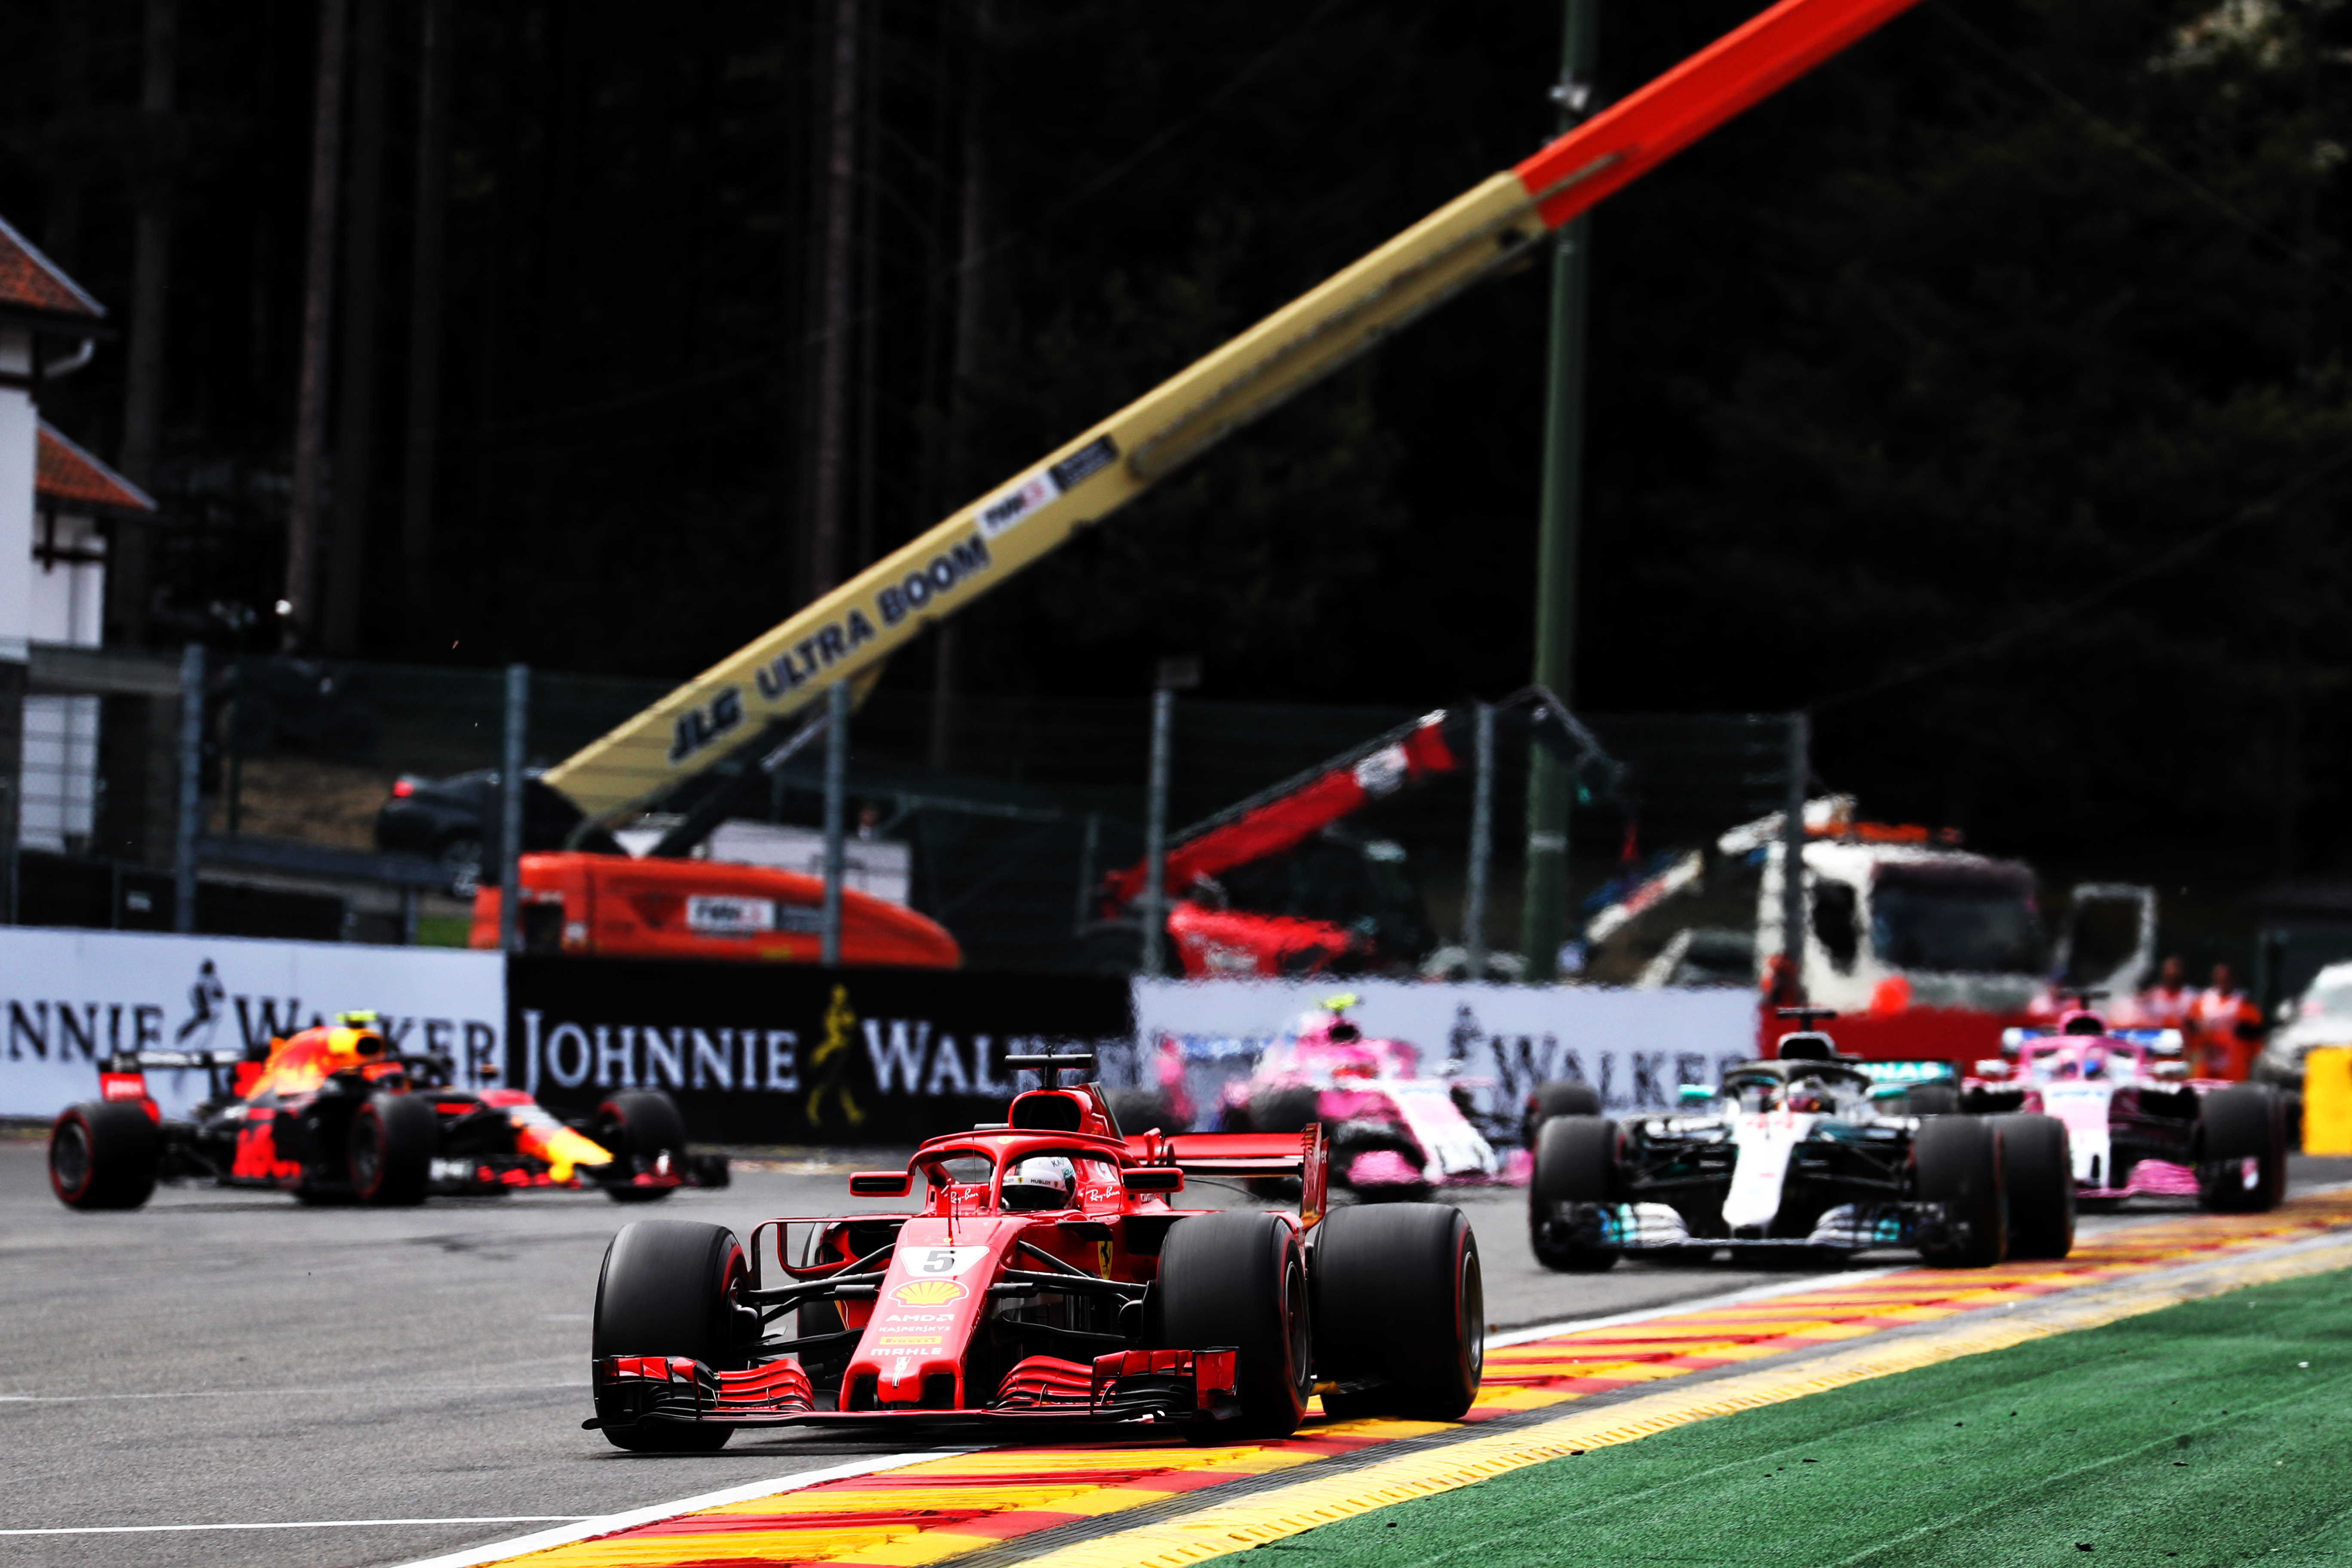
1802	1156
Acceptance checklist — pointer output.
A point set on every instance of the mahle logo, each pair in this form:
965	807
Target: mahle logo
929	1292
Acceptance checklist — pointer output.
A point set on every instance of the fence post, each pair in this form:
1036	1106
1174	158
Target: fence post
837	780
1089	848
1792	855
1155	832
1482	848
192	763
510	783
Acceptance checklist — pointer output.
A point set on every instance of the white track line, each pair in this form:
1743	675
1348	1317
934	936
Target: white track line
605	1525
294	1524
247	1393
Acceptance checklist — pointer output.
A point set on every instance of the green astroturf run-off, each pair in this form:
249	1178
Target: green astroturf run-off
2192	1435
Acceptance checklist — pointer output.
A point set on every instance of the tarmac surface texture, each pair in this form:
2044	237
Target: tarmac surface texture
225	1359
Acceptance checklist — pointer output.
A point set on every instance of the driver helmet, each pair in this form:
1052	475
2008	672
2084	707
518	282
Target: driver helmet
1807	1096
1042	1181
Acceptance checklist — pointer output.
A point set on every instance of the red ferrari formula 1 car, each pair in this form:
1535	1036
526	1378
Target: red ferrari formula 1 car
329	1115
1046	1276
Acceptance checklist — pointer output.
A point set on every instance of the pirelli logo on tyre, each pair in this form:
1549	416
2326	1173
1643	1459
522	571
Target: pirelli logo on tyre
929	1292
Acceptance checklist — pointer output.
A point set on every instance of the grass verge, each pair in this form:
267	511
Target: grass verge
2208	1434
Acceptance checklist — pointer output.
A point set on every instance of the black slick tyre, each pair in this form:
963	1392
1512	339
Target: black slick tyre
392	1141
1283	1109
1957	1164
1931	1100
1401	1307
667	1287
637	1127
1561	1096
104	1155
2245	1122
2037	1175
1239	1279
1576	1162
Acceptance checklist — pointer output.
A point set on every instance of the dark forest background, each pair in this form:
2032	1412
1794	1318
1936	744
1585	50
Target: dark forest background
1933	350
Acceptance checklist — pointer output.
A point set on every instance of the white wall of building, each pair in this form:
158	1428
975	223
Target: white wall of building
20	437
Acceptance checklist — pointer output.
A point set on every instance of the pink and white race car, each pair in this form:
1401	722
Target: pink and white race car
1393	1132
2136	1123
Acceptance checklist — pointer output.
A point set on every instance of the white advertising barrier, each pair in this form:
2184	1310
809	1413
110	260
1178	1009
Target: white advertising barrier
75	996
1637	1047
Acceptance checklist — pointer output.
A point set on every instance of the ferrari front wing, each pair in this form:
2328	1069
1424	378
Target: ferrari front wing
1151	1386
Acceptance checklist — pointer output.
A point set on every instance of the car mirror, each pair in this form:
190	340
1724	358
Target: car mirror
1889	1090
880	1184
1992	1066
2165	1044
2172	1069
2012	1042
1154	1179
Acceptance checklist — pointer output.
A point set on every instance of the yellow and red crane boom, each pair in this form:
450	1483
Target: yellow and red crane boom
852	629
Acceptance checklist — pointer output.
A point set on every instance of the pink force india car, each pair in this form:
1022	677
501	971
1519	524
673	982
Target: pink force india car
2136	1123
1393	1132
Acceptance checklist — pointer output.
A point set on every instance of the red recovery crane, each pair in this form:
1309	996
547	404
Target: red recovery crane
1211	939
754	703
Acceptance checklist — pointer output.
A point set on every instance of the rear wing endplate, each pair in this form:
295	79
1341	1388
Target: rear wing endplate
1303	1156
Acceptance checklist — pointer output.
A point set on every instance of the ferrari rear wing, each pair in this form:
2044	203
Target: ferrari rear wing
1303	1157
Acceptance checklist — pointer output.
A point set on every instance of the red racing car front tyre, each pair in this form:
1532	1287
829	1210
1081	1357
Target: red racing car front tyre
1239	1279
104	1155
394	1137
1399	1304
640	1125
667	1287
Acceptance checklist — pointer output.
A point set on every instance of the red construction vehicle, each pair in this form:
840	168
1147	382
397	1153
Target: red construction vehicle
1356	913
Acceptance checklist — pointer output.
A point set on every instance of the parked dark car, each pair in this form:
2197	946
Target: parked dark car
454	820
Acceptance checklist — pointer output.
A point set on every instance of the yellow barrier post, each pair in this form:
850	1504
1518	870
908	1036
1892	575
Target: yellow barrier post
2327	1100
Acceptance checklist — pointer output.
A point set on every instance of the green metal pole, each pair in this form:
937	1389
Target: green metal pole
1544	916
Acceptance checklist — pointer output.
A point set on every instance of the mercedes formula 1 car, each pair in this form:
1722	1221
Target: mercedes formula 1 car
2136	1122
1045	1274
1802	1154
329	1114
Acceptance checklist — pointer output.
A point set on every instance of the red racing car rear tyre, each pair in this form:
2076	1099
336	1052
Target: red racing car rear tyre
638	1126
2039	1178
394	1137
2245	1121
1399	1304
667	1287
1239	1279
1958	1159
103	1154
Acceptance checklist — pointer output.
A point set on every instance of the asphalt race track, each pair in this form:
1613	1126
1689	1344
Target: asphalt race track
226	1359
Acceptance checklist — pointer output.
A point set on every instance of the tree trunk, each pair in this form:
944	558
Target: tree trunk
128	570
356	437
833	313
971	312
61	235
300	615
424	312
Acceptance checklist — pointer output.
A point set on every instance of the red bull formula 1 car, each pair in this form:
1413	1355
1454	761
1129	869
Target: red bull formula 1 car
329	1115
1046	1274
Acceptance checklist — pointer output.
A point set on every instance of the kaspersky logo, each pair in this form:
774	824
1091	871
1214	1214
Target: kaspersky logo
929	1292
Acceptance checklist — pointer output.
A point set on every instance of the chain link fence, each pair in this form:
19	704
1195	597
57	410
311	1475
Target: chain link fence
371	792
